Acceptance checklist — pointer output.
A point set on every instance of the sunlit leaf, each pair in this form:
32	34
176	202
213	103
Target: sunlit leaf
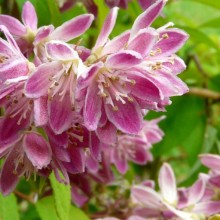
62	196
77	213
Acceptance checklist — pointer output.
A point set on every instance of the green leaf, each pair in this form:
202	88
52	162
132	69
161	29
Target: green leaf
62	197
55	14
77	213
213	23
199	37
8	208
46	208
184	127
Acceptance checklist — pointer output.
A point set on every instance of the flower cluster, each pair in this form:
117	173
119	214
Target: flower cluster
199	201
74	110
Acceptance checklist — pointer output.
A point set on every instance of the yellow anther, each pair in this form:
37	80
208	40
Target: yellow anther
152	53
56	84
133	82
115	108
159	50
165	36
130	99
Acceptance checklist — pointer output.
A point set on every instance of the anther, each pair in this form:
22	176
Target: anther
165	36
133	82
56	84
130	99
152	53
159	50
115	108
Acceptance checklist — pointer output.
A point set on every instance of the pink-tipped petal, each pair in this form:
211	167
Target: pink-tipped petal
5	48
143	42
92	110
177	66
14	25
211	161
60	114
167	183
43	32
120	161
58	50
37	150
73	28
145	19
40	111
123	60
107	27
127	118
38	83
171	40
146	3
29	16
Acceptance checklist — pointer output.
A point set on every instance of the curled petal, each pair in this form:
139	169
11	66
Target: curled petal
37	150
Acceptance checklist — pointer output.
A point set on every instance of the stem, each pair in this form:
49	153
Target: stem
23	196
205	93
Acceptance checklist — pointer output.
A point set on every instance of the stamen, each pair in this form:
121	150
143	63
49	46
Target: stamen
115	108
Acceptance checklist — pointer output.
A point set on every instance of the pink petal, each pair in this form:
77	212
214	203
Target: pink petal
5	48
143	41
60	114
10	129
147	196
8	178
120	160
13	68
211	161
146	3
207	208
174	39
73	28
117	43
128	118
92	109
177	66
196	192
40	111
14	26
29	16
123	60
94	146
107	133
107	27
38	83
58	50
37	150
167	183
147	17
43	32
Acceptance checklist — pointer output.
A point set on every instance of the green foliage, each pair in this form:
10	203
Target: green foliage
62	197
8	208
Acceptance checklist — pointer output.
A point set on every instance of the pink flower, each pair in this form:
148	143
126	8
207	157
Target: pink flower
26	156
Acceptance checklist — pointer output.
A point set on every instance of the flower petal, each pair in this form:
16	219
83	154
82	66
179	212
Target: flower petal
73	28
92	109
40	111
38	83
37	150
167	183
8	178
58	50
14	26
60	114
107	133
147	17
123	60
143	41
208	208
29	16
211	161
116	44
171	40
128	118
120	161
107	27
